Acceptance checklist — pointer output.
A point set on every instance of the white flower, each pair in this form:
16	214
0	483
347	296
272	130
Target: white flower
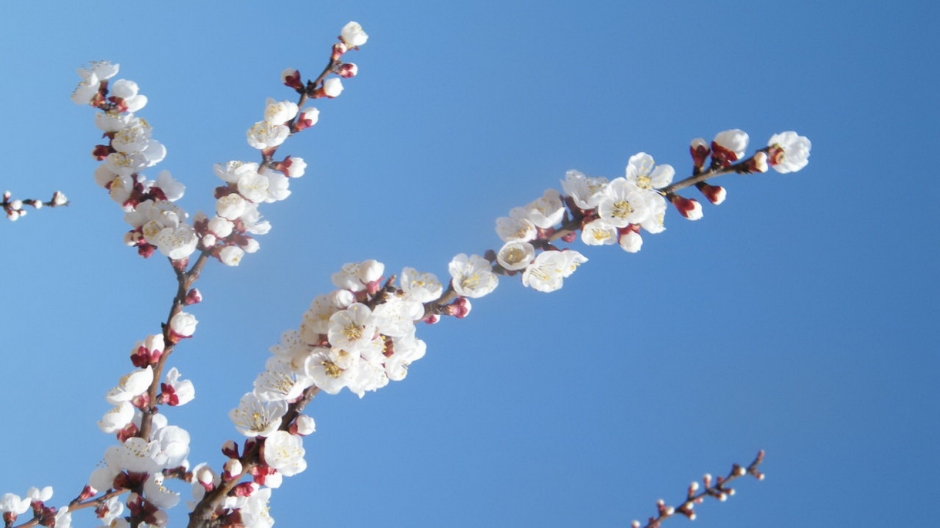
91	79
546	211
117	418
231	255
183	391
13	504
265	135
128	92
367	377
511	228
420	287
221	227
395	317
585	191
515	255
172	189
352	329
160	496
232	171
285	453
130	386
111	122
135	454
347	277
252	221
655	219
599	233
729	146
472	276
254	417
134	137
547	272
316	320
631	241
353	35
788	152
329	377
183	324
370	271
622	204
332	87
231	206
278	113
255	512
173	442
41	495
643	172
574	259
176	243
279	381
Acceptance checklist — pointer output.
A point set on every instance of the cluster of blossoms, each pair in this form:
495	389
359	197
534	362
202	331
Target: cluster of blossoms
14	208
157	223
360	336
12	506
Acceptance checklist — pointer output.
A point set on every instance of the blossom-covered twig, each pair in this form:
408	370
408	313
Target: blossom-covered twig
717	489
14	208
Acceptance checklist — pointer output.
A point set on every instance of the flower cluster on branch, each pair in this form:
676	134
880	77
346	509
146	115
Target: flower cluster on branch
362	335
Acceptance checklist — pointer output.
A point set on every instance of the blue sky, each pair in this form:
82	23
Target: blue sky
798	317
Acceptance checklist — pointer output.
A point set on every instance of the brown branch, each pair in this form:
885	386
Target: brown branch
718	490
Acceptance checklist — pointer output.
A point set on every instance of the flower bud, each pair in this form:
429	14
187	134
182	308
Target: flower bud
291	78
338	49
687	207
193	296
307	119
700	151
352	35
303	425
182	326
347	70
728	147
713	193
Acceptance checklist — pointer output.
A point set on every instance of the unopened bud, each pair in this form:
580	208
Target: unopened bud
687	207
715	194
230	449
303	425
193	297
347	70
699	151
291	78
758	162
338	49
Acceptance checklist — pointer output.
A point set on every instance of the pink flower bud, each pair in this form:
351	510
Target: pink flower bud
193	296
347	70
687	207
713	193
757	163
230	449
338	49
291	78
700	151
307	119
